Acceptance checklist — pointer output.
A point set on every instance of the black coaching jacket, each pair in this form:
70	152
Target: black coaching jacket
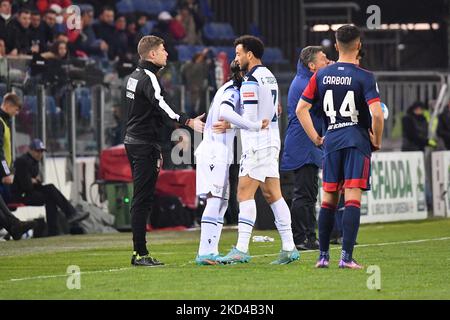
147	109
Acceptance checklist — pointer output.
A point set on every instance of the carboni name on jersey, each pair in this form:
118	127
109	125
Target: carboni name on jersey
337	80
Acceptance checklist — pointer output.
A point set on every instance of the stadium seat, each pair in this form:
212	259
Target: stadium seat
148	27
168	5
230	51
205	9
186	52
84	102
216	32
30	105
273	55
3	90
125	6
151	7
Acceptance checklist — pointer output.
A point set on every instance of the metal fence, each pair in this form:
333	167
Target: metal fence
98	110
399	90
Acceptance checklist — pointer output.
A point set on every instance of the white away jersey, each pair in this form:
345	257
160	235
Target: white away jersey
214	142
259	101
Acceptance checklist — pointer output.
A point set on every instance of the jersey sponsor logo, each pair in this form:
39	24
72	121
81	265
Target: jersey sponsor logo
248	94
347	81
271	80
132	84
130	95
340	125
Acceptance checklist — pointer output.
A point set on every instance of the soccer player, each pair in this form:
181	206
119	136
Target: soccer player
347	94
259	161
214	156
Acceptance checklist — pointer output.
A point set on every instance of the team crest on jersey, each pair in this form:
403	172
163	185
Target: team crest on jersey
132	84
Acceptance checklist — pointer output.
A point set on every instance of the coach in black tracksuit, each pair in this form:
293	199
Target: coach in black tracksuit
147	114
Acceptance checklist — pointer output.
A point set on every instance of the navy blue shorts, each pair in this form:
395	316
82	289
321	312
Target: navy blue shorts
346	168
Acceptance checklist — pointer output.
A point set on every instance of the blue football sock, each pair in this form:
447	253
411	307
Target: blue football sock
326	223
350	227
338	219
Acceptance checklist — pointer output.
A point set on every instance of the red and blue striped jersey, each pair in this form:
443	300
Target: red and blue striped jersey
344	91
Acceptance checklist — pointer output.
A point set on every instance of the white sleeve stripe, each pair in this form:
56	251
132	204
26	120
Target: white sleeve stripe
6	168
162	104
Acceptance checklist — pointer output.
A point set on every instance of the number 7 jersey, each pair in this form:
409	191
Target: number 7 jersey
344	92
259	101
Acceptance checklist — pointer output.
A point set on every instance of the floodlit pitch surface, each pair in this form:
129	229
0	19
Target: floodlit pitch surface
413	260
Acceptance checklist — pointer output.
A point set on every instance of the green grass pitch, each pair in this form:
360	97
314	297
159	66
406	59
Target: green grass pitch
413	258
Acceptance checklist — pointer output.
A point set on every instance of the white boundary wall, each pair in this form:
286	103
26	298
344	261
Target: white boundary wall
440	169
397	188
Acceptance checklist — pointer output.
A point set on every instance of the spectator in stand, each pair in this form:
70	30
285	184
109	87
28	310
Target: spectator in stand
35	27
185	17
5	17
105	30
50	67
195	11
443	128
121	39
18	34
176	29
23	4
194	76
415	129
58	51
132	35
84	42
48	29
141	20
61	17
98	4
44	5
162	30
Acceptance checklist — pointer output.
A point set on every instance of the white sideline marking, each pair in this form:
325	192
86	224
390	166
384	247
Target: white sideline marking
259	256
66	275
367	245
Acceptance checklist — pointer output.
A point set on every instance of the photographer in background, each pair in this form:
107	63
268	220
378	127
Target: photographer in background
28	189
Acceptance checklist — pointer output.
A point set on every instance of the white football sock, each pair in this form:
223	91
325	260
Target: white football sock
223	209
283	222
208	232
247	218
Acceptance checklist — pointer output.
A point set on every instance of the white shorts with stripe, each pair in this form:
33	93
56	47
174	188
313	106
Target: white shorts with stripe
212	173
260	164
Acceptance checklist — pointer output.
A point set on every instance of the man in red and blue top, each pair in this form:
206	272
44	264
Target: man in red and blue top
347	95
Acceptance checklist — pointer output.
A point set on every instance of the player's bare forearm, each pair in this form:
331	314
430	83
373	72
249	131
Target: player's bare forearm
377	124
304	117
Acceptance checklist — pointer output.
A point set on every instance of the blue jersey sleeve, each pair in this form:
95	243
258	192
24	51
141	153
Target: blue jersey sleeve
370	88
